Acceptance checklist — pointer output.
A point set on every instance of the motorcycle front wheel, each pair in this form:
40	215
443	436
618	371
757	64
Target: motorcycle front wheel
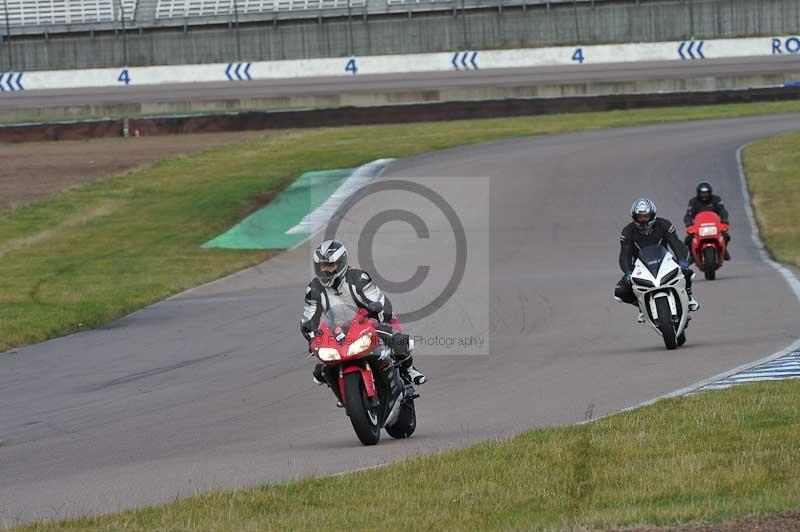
710	263
665	324
365	420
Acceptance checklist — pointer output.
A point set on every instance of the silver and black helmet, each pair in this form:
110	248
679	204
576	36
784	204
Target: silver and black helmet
330	252
644	206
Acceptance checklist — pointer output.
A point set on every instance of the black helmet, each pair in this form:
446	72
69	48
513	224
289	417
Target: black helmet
704	192
640	207
330	252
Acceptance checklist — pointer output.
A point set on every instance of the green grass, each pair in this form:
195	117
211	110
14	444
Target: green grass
704	458
773	175
100	251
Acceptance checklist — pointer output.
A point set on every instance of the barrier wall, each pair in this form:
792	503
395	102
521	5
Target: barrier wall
471	60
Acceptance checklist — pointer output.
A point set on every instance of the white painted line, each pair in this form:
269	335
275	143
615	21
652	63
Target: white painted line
366	174
787	274
360	178
719	377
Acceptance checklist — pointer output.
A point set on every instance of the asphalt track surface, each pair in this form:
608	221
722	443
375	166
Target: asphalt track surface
429	81
210	388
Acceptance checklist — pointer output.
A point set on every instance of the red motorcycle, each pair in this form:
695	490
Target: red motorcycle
708	245
363	375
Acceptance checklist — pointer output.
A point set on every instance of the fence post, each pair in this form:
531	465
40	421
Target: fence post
7	37
124	34
464	24
236	31
350	28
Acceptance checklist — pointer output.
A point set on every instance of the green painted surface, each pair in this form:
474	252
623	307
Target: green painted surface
266	228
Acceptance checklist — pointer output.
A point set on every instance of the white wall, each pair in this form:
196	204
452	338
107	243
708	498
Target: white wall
393	64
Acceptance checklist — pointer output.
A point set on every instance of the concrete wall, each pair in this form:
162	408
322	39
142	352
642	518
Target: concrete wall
682	52
394	34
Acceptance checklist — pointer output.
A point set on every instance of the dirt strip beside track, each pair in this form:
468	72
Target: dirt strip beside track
36	170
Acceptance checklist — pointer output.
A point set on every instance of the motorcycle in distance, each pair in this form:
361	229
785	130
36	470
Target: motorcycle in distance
660	287
708	245
369	385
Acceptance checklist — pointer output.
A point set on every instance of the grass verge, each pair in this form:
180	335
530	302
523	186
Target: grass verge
708	457
773	175
97	252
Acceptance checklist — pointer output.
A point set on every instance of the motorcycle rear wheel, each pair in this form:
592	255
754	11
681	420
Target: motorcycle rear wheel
665	324
365	420
406	422
710	263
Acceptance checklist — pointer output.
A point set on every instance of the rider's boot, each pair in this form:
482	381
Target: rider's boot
319	375
694	305
415	375
403	353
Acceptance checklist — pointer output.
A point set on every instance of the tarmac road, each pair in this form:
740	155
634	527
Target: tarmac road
430	81
211	389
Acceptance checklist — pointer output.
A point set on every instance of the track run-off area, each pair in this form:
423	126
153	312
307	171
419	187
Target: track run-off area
212	389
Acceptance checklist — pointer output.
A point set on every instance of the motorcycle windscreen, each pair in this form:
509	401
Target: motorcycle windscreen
340	315
652	257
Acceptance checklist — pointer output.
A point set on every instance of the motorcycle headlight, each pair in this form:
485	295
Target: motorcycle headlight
670	276
708	231
642	282
328	354
360	345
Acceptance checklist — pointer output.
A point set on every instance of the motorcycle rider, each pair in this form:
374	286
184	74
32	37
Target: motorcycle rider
336	283
705	200
647	230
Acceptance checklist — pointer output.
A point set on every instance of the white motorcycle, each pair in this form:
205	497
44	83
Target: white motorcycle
660	287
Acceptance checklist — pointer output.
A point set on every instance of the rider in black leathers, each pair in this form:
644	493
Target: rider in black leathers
704	201
648	230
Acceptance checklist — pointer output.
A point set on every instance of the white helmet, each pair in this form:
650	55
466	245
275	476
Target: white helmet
330	252
640	207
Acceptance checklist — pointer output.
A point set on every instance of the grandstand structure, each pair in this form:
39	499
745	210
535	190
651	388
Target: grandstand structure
45	13
20	17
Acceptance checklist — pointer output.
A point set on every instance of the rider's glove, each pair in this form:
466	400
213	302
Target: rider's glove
684	264
385	331
628	277
308	329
